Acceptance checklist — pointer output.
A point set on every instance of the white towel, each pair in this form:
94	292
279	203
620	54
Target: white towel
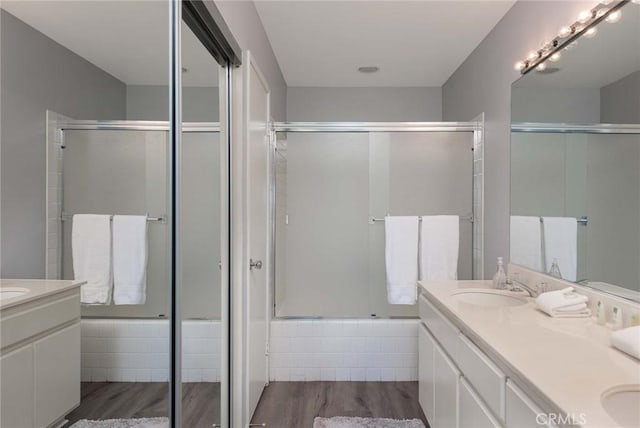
561	242
129	259
91	253
565	303
439	247
526	242
401	257
627	340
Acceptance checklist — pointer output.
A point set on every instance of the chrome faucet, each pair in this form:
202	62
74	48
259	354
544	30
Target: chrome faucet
518	286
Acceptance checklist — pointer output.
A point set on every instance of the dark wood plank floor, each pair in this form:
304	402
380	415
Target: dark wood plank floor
296	404
114	400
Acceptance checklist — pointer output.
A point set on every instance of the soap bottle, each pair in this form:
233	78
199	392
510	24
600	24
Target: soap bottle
500	278
555	269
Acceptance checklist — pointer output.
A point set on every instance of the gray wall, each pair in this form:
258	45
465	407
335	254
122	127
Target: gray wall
535	104
39	74
364	104
483	84
149	102
243	21
620	101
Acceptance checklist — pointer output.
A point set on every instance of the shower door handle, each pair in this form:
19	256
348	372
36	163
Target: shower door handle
255	264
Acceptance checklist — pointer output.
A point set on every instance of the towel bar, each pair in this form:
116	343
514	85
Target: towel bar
161	219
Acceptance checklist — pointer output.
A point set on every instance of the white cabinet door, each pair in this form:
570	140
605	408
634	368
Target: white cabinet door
425	372
473	411
16	371
57	375
522	412
446	377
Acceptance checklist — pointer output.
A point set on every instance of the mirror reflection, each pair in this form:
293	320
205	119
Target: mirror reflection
575	160
87	110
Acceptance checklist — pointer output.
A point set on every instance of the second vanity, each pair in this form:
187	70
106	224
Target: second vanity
491	359
39	352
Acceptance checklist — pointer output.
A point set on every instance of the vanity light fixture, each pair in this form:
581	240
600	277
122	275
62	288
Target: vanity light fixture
567	37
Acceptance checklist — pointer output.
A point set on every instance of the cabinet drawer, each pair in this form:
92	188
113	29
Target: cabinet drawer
36	320
442	329
485	377
473	412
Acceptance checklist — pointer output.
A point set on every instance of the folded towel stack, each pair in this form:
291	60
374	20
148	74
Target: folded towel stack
627	340
565	303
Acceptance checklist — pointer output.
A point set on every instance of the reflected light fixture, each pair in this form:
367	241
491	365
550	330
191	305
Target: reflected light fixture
591	32
608	10
614	17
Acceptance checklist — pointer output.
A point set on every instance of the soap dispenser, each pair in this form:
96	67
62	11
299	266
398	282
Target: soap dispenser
555	269
500	278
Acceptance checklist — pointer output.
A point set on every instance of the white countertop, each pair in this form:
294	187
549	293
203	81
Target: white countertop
35	289
567	360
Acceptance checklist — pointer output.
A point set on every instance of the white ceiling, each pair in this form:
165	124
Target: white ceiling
128	39
612	54
415	43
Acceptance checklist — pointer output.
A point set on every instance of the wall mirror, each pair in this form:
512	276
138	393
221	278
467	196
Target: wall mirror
575	159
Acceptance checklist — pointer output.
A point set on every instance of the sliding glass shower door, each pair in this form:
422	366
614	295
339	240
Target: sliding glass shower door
331	187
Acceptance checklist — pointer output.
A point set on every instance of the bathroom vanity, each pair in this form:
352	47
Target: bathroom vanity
489	358
39	351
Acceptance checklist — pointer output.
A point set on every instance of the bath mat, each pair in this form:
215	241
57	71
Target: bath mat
348	422
123	423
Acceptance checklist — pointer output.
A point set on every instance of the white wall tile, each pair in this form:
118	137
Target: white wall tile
357	350
138	350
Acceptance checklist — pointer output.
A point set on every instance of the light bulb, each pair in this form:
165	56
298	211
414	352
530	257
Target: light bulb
555	57
542	66
591	32
614	17
571	45
585	16
519	66
565	31
532	56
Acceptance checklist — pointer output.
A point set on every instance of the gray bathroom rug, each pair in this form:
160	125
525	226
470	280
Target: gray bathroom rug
350	422
124	423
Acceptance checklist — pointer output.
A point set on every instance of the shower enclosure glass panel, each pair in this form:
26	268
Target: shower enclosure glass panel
119	172
124	172
329	254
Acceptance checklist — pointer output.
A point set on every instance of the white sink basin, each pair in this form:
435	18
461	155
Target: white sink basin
11	292
488	298
621	403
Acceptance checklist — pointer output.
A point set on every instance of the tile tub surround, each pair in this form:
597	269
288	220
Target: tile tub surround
130	350
567	363
344	350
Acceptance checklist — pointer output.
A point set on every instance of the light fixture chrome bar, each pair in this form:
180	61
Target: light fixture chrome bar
595	128
161	219
137	125
598	14
373	220
376	126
